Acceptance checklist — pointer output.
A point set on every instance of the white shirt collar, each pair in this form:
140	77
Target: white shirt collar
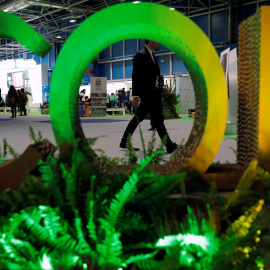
151	53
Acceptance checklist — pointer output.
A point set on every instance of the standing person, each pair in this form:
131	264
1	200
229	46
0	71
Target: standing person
13	98
146	91
82	98
122	98
22	102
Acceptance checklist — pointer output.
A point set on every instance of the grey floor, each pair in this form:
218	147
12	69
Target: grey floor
16	131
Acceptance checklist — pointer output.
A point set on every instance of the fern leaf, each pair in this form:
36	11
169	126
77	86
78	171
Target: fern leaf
32	134
70	187
159	187
130	154
126	192
151	144
110	248
177	150
84	248
40	137
159	158
10	149
244	184
91	224
241	226
142	139
47	171
138	259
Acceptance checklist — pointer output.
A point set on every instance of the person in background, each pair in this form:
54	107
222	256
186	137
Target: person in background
122	98
17	101
22	102
89	101
112	100
2	102
82	99
146	91
13	99
128	102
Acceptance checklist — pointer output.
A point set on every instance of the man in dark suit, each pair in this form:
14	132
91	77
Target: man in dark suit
146	91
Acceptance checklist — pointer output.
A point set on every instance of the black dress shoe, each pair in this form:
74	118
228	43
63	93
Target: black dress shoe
123	145
171	147
152	128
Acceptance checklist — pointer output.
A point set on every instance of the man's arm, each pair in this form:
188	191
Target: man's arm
138	75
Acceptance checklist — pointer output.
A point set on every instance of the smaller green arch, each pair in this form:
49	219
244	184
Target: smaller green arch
13	27
175	31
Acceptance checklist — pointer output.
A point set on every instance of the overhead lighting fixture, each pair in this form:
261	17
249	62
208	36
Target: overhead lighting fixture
5	10
172	8
58	37
136	2
72	20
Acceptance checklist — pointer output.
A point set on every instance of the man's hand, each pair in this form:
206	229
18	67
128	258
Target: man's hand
165	89
136	101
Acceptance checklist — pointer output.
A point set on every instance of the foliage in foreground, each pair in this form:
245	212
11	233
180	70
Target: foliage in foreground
73	217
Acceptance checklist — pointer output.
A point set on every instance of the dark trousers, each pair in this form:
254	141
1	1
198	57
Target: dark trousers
151	105
13	110
23	109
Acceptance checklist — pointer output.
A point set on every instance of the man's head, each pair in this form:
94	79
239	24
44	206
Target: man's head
152	45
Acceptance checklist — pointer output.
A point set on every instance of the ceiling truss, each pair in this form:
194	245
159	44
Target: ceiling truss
51	18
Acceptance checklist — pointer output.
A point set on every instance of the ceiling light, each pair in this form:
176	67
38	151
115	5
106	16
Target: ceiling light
136	2
72	20
172	8
5	10
58	37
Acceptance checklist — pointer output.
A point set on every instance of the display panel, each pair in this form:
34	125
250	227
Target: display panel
17	78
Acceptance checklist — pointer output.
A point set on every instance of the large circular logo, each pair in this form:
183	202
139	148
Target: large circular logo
175	31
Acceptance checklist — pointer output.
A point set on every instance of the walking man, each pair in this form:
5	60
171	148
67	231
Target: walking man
146	90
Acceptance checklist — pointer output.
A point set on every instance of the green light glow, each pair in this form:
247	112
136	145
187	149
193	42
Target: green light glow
13	27
184	239
2	159
129	21
189	239
45	264
84	266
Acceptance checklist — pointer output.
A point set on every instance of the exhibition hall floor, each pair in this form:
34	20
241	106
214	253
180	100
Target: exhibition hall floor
16	131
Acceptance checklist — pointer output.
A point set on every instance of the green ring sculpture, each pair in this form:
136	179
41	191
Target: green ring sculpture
177	32
13	27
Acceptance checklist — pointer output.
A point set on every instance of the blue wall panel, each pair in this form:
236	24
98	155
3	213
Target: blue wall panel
202	22
117	49
105	53
219	27
52	58
37	58
128	68
45	60
29	55
131	46
162	48
141	43
164	64
247	11
178	66
117	70
103	70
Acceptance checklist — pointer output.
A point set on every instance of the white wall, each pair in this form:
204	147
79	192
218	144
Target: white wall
37	76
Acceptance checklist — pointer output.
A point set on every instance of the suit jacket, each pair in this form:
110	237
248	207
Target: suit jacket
144	74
